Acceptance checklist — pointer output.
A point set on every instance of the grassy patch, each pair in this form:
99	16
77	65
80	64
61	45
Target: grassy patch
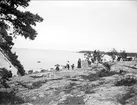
73	101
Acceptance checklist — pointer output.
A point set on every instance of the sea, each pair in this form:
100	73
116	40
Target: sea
35	59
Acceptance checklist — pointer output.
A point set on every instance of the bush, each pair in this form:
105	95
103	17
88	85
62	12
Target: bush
104	73
126	81
5	75
97	75
30	71
9	98
43	70
107	65
14	60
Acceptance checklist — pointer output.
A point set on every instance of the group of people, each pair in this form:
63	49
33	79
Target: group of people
68	66
72	66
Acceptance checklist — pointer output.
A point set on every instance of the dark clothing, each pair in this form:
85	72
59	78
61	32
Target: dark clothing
68	66
57	68
72	66
79	63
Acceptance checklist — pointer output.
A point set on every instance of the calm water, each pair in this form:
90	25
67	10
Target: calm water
48	58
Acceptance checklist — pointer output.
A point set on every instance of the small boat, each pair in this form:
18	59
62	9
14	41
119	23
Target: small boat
38	61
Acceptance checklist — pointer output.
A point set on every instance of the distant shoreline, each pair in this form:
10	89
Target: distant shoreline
103	52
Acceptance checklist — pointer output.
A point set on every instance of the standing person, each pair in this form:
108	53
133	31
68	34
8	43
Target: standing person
57	67
68	65
79	63
72	66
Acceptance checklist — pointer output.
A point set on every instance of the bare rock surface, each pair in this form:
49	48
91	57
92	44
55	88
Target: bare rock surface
79	87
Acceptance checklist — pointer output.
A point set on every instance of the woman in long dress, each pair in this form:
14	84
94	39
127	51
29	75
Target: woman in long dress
79	63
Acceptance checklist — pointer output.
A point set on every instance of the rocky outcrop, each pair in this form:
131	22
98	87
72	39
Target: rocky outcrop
5	63
92	86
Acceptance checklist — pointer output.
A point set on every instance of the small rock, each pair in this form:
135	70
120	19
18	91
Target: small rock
41	95
34	97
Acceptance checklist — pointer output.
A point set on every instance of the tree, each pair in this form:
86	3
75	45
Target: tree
97	56
123	54
113	54
21	22
14	22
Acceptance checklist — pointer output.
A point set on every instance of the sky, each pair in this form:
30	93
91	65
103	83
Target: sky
84	25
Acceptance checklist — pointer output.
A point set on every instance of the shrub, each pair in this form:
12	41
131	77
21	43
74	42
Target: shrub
4	73
30	71
9	98
107	65
104	73
43	70
4	76
126	81
97	75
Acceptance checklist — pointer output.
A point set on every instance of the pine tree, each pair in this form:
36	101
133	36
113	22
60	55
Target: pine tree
16	22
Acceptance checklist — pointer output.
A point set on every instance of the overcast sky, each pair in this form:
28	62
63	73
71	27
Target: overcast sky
84	25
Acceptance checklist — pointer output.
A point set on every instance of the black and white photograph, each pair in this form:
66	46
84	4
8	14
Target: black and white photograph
68	52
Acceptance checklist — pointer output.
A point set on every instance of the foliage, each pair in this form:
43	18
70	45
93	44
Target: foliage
98	74
4	76
123	54
14	60
16	22
4	73
30	71
10	98
104	73
20	22
113	53
126	81
97	56
107	66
